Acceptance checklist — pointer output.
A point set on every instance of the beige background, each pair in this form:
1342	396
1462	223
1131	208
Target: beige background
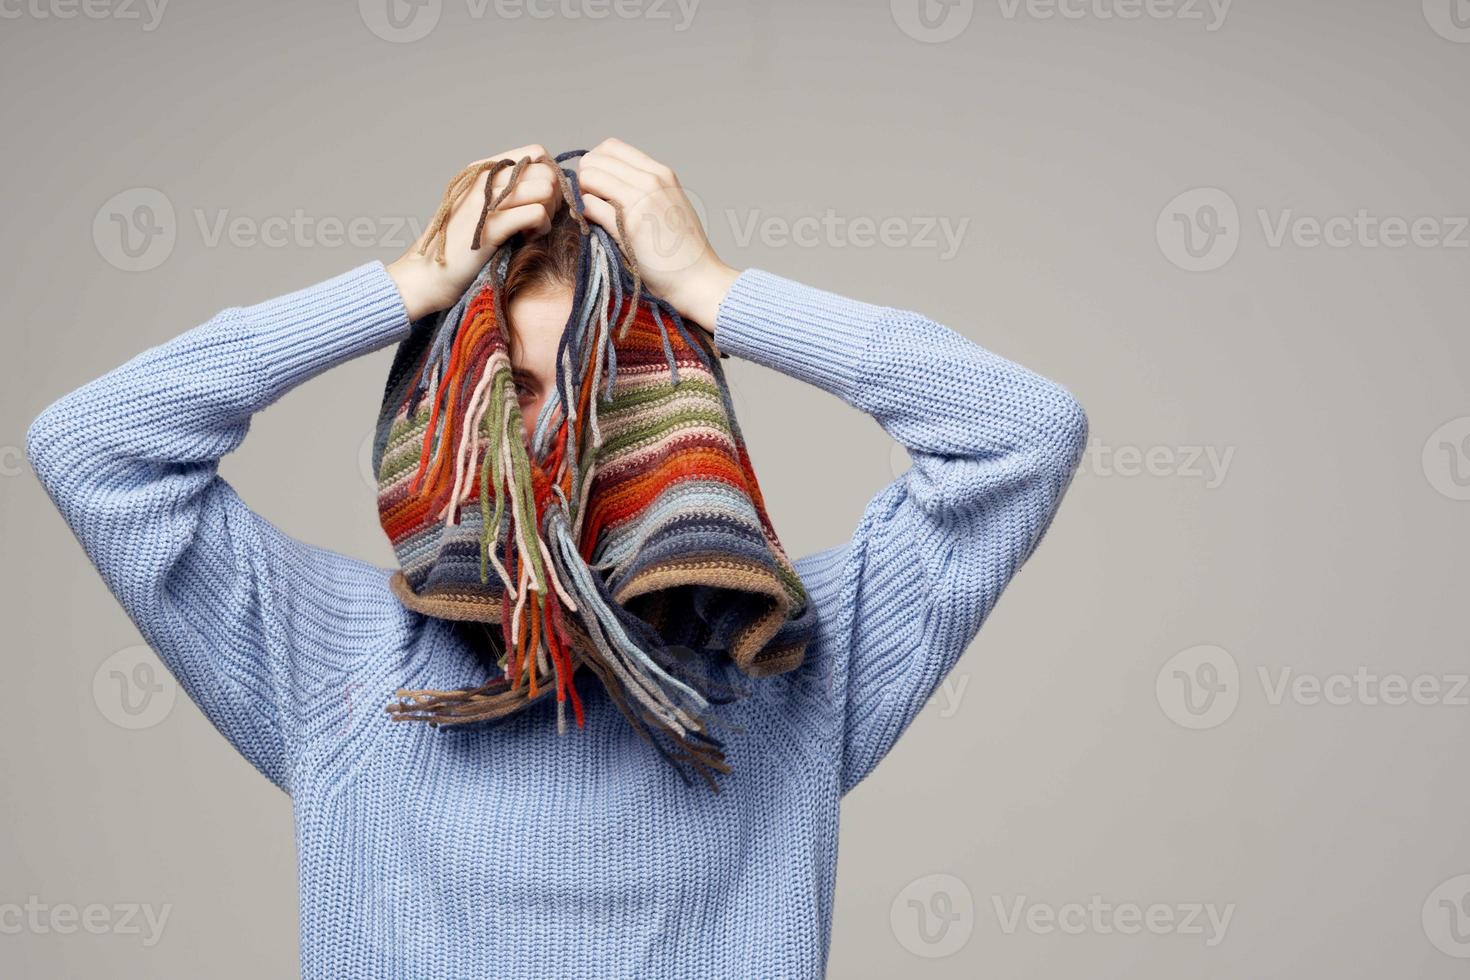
1059	764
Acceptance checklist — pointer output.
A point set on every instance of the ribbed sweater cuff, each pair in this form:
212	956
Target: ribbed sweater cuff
303	333
808	333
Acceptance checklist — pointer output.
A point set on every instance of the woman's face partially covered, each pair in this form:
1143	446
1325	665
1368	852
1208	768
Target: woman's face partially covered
537	318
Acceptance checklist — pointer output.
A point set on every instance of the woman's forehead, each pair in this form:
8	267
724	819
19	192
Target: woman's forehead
537	319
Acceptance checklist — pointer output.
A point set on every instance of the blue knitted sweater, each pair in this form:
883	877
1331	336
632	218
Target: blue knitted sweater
510	851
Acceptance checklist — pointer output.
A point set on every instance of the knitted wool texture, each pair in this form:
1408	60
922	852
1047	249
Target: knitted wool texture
630	537
507	851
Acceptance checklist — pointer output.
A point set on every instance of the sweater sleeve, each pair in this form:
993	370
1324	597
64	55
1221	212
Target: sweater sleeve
131	461
993	448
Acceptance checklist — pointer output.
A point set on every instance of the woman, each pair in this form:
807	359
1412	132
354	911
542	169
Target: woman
513	851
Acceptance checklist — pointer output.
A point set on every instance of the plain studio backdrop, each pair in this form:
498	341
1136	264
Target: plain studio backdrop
1217	725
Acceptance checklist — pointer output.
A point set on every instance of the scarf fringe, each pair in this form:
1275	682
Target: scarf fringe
557	614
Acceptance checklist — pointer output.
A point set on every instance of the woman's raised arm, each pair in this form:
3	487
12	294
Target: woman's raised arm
236	609
994	447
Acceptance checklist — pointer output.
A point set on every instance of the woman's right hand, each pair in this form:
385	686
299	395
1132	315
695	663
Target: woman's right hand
426	285
663	227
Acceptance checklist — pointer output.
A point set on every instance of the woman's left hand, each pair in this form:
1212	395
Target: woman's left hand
663	231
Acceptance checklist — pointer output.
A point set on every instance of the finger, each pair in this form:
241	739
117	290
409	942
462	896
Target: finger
603	214
528	218
533	186
598	210
624	171
609	186
536	175
538	170
535	151
614	147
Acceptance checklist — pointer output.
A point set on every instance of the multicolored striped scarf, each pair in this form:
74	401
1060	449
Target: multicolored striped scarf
629	537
